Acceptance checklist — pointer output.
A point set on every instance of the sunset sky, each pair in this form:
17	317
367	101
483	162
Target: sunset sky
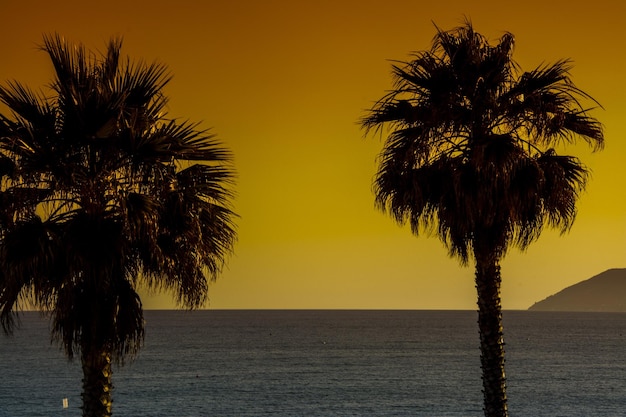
283	84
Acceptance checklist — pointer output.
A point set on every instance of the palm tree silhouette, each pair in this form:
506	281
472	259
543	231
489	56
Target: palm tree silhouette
100	193
470	158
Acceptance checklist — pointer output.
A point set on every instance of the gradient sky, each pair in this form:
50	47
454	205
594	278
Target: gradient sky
283	84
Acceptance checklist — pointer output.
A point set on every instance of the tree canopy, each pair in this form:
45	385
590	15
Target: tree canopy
101	192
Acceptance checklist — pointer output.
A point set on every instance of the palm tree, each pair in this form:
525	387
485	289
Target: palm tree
470	158
100	194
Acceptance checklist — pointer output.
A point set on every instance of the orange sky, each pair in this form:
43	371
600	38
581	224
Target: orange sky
283	84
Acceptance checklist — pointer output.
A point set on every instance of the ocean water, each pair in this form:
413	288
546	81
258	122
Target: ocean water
331	363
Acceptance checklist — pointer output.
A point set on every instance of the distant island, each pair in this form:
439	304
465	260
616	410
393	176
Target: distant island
605	292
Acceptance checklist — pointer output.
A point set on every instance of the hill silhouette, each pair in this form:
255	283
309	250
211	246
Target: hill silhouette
603	292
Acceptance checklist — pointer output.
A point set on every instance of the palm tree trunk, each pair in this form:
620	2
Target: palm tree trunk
97	385
491	335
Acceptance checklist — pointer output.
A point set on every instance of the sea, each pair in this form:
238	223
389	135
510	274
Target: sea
330	363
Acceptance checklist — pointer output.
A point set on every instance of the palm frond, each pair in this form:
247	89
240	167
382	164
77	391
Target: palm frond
565	178
142	83
128	321
571	125
110	62
31	107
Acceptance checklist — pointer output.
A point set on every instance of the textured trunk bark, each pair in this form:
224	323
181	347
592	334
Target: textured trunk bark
491	335
97	386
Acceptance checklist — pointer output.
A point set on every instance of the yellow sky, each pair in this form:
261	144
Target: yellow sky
283	84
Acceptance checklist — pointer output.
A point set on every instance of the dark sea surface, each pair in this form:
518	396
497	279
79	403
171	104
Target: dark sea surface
331	363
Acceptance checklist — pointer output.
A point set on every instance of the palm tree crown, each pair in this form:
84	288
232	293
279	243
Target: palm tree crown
472	143
100	192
